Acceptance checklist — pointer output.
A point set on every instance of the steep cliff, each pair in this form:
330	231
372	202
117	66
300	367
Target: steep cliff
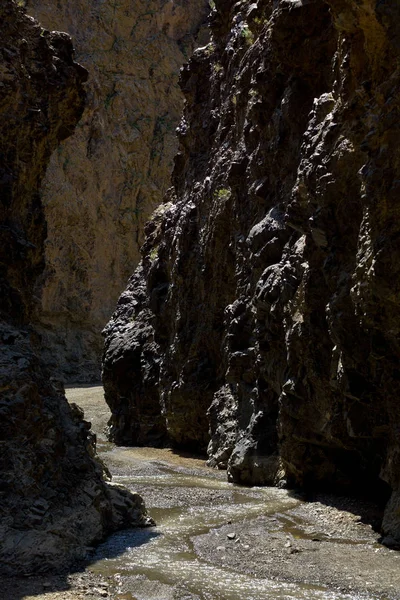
264	319
106	179
54	501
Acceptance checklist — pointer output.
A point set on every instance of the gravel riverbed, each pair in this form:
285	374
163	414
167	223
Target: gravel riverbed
217	541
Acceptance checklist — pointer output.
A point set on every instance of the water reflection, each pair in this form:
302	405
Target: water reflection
166	554
124	542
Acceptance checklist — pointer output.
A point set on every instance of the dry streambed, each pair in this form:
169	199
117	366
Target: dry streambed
216	541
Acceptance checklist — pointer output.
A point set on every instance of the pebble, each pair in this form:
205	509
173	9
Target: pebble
231	536
103	593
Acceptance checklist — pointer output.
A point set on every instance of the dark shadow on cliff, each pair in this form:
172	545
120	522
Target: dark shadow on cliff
13	588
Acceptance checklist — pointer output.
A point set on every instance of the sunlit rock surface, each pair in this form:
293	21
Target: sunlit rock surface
264	319
106	179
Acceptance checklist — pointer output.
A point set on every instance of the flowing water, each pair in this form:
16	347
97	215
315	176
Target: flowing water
213	540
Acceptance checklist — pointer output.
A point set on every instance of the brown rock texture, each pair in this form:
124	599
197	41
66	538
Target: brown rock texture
103	183
268	319
54	501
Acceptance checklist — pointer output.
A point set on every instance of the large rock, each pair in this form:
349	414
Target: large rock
273	286
107	178
54	501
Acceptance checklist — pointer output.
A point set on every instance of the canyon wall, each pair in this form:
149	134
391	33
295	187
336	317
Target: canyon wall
263	322
54	501
104	181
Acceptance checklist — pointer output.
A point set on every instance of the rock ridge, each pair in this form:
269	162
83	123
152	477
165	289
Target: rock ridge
263	322
54	500
104	181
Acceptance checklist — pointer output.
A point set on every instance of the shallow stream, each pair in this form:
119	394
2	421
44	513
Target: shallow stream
217	541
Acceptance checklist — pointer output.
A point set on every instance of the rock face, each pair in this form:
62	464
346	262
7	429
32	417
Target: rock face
106	179
268	322
54	501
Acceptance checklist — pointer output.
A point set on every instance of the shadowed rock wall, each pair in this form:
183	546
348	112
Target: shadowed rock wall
264	320
106	179
54	501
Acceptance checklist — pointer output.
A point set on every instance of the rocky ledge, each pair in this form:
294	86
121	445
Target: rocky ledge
54	500
263	322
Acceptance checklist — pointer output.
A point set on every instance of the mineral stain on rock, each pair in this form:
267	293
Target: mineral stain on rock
263	321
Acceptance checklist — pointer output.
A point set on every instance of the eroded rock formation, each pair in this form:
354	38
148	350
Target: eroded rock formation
54	501
267	324
106	179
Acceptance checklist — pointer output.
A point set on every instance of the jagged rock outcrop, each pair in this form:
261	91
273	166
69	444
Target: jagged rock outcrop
54	501
103	183
272	279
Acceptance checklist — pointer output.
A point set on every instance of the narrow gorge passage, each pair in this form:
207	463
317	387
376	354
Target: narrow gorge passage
218	541
262	322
